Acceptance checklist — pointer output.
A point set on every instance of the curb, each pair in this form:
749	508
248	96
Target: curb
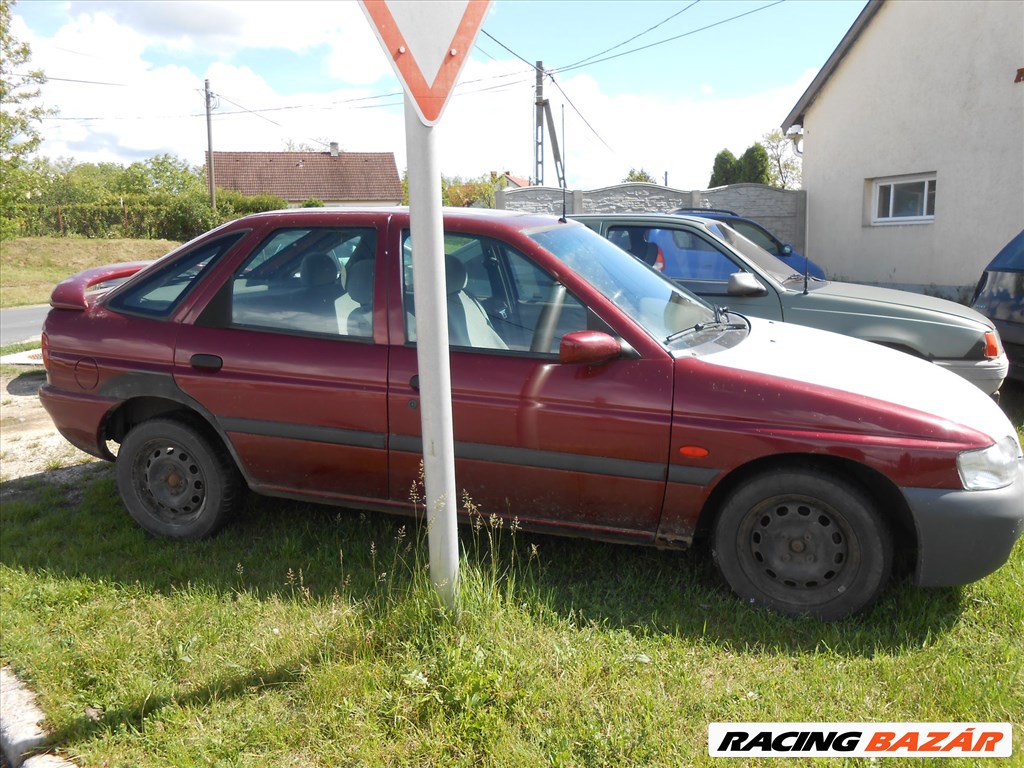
20	729
28	357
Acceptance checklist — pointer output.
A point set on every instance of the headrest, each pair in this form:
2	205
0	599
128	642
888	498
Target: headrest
454	274
318	269
360	281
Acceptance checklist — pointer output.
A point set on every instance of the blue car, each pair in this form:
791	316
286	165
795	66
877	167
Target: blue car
1000	297
751	230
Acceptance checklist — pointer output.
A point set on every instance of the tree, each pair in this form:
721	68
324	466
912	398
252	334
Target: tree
468	193
726	169
170	174
19	118
639	175
752	167
784	165
754	164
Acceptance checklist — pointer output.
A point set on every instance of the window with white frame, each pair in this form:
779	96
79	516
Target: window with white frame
904	199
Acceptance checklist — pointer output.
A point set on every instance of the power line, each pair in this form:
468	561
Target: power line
668	39
585	121
634	37
559	87
69	80
249	111
492	37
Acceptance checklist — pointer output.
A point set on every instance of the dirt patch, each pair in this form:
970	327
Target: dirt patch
29	443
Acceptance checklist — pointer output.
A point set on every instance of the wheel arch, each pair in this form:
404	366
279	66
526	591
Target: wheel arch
141	408
886	496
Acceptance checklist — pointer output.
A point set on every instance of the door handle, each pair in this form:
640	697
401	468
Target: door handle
207	362
414	382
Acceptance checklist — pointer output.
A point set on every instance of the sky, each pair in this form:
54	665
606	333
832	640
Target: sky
661	86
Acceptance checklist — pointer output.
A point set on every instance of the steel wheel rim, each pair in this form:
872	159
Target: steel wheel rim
171	481
797	545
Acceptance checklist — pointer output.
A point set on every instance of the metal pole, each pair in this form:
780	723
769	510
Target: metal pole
427	227
209	156
538	130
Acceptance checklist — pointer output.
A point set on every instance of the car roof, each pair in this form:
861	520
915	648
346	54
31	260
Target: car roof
707	212
667	218
1011	257
519	220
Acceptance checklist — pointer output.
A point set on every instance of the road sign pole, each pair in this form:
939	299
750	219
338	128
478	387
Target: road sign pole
431	303
427	43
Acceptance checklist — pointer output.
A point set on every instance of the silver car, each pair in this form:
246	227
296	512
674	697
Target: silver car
717	263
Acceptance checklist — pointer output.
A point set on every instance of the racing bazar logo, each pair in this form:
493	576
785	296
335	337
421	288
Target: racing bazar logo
860	739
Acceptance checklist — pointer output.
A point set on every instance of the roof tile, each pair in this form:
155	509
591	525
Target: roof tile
298	176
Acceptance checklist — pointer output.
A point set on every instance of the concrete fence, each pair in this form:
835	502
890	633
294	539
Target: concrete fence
782	211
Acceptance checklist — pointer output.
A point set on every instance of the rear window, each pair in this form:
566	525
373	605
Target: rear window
158	294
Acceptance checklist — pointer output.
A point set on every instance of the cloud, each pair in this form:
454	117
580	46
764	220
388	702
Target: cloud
488	125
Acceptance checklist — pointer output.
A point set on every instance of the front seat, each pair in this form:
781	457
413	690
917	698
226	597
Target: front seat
468	324
321	286
355	308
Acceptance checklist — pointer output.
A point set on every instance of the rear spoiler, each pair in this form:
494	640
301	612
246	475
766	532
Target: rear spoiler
70	293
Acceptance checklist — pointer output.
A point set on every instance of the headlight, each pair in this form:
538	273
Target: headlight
989	468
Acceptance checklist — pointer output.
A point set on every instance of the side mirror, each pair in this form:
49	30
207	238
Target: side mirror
787	250
588	348
745	284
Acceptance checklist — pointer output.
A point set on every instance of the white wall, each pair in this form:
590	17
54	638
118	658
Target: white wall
928	87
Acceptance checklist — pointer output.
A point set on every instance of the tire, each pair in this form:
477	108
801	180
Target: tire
175	482
802	542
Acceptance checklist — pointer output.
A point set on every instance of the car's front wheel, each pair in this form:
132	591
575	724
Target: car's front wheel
803	542
175	481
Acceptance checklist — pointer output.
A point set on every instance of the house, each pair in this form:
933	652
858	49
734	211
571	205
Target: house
514	182
913	144
334	177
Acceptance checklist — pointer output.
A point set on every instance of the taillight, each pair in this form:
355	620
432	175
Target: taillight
45	348
992	348
659	261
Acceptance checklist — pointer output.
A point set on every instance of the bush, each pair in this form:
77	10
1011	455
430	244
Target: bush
232	204
183	217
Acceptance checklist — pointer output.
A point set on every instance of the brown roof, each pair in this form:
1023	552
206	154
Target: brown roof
517	181
298	176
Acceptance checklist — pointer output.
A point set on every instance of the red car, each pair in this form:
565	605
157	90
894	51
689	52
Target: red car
591	397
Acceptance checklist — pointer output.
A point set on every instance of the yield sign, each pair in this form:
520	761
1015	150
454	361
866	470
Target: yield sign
427	42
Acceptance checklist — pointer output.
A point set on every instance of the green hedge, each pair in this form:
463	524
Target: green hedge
178	217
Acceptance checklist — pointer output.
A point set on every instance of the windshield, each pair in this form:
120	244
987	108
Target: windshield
656	303
774	266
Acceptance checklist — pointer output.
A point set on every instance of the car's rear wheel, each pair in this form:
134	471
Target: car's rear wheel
175	481
802	542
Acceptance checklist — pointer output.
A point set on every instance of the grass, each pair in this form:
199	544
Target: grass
307	636
30	267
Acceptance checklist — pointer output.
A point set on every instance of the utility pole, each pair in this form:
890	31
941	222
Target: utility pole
538	132
543	110
209	143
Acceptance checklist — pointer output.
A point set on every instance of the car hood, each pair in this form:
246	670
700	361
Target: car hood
847	366
897	303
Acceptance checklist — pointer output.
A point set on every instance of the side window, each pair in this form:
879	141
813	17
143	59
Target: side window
757	236
688	256
635	240
317	280
498	299
158	294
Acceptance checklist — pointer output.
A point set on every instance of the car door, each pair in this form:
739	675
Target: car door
569	447
290	360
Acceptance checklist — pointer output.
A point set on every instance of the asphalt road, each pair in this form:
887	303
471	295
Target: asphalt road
21	324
